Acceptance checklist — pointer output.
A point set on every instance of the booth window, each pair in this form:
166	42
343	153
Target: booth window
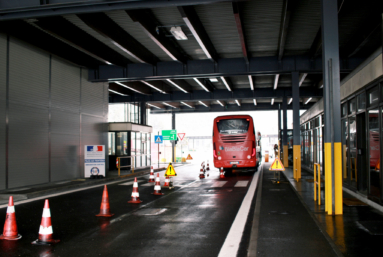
352	106
361	102
344	109
122	143
373	96
112	143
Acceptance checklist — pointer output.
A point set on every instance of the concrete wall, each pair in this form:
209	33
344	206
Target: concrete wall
48	112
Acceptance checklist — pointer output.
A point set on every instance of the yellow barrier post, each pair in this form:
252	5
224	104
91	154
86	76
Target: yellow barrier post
315	181
319	195
295	170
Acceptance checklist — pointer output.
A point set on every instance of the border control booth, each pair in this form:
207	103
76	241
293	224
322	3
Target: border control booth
129	139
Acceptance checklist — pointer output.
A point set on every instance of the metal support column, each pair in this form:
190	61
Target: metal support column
331	102
143	113
296	126
284	137
173	143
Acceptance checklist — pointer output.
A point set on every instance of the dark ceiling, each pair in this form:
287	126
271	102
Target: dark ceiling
249	47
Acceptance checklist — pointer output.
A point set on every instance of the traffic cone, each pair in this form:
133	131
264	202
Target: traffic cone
10	226
104	208
166	182
46	231
221	175
157	186
135	194
201	173
151	177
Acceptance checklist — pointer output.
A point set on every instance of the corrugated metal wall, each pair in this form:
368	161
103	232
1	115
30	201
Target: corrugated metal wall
3	60
53	112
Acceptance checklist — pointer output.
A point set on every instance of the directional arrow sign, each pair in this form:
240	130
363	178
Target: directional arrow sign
169	134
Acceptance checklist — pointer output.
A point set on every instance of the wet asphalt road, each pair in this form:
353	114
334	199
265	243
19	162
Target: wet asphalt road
191	220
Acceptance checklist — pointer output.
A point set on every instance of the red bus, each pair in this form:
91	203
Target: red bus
236	146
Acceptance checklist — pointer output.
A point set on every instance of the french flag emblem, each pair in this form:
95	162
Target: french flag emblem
96	148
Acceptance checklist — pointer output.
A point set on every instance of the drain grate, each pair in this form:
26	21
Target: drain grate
374	227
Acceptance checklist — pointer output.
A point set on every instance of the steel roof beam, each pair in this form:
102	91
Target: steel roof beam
225	67
222	95
180	84
37	37
67	32
241	33
288	8
189	15
106	27
149	24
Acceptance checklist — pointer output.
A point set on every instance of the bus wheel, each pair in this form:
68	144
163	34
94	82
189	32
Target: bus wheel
228	172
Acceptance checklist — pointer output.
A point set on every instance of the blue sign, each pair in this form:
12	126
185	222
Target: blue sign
158	139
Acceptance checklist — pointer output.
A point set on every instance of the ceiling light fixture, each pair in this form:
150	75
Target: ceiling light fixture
202	103
178	33
302	78
291	99
154	106
308	100
251	82
118	93
255	102
174	84
276	81
169	105
150	85
272	101
123	85
220	103
224	82
213	79
237	102
186	104
202	85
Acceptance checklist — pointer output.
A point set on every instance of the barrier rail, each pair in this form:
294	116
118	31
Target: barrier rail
317	182
131	165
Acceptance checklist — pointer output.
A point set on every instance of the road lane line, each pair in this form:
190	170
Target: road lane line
242	183
233	239
219	184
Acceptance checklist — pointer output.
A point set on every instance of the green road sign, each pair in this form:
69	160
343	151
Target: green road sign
169	134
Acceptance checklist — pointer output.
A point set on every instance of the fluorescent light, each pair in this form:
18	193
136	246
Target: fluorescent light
237	102
213	79
202	103
220	103
251	82
178	33
150	85
123	85
202	85
276	81
224	82
291	99
272	101
118	93
174	84
302	78
255	102
196	36
186	104
153	106
308	100
169	105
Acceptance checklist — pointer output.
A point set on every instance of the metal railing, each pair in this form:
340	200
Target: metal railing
317	181
126	166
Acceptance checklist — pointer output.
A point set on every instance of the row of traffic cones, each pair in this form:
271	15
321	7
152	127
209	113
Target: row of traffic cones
10	231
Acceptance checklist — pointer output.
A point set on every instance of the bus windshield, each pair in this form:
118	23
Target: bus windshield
233	126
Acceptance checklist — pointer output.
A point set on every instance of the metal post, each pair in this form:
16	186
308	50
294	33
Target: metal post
284	137
331	102
173	144
296	124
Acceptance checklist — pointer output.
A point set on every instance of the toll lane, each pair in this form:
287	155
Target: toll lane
193	219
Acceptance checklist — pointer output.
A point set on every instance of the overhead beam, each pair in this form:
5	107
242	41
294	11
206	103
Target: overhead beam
241	33
69	33
34	36
149	24
190	17
120	89
225	67
222	95
106	27
180	84
226	108
288	8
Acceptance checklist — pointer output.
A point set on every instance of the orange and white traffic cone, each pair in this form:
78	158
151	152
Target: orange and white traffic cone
166	184
46	231
221	175
157	186
105	208
151	177
135	194
10	226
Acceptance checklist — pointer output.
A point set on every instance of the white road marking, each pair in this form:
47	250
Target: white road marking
242	183
129	183
233	238
197	184
219	184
